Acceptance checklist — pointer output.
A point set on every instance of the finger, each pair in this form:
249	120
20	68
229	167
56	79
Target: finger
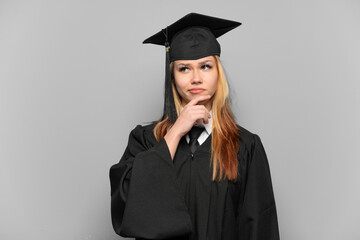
199	108
206	121
202	120
200	117
199	121
198	99
200	112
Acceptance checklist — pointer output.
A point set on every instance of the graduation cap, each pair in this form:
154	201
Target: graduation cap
190	38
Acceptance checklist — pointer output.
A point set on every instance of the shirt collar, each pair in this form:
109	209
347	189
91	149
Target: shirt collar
208	125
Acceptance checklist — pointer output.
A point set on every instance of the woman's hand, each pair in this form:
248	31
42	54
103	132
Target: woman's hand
191	114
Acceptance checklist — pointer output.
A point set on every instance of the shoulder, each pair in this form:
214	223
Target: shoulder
145	128
143	133
246	135
248	139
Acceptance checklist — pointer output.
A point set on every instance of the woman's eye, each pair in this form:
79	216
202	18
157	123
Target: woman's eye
183	69
205	67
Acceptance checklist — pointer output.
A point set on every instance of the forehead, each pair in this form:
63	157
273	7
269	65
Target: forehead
197	61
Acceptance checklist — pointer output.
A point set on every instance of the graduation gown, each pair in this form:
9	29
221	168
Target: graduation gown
155	197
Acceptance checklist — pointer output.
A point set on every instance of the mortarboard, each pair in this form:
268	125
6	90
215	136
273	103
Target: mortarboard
191	37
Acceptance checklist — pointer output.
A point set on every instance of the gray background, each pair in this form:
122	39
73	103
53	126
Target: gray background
75	80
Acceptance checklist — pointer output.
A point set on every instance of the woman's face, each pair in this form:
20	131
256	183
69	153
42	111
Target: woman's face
196	77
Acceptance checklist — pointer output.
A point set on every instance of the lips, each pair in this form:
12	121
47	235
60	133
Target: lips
196	90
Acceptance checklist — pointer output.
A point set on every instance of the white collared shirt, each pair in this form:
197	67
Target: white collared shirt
205	134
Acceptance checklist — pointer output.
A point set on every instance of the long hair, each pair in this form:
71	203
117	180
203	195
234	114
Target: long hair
225	133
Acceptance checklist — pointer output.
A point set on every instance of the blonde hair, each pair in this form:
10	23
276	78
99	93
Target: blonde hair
224	131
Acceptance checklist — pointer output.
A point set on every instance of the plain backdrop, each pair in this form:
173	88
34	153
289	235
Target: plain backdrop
75	79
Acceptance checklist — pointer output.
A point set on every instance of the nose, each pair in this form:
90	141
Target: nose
196	77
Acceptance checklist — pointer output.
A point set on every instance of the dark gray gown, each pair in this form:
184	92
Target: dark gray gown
155	197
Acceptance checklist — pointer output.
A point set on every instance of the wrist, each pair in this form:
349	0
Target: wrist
173	133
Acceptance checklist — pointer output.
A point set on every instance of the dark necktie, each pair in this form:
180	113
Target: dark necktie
194	133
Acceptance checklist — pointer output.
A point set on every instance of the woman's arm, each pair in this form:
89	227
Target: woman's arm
145	200
172	139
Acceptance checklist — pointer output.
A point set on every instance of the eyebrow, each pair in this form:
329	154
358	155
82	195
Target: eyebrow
206	61
200	63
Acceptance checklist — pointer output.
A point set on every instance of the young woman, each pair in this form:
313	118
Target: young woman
194	174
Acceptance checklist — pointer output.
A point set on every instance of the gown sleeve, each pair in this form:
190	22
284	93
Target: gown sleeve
145	199
258	217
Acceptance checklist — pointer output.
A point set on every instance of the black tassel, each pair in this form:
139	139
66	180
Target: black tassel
169	103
